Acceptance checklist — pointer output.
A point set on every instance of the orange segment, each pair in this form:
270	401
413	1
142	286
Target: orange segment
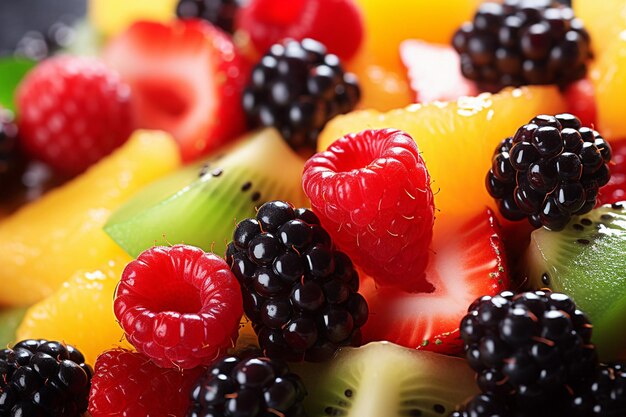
603	19
456	139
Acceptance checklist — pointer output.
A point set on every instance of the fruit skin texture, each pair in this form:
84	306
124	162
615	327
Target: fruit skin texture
466	261
81	310
73	111
335	23
129	384
179	305
372	193
47	241
110	17
187	78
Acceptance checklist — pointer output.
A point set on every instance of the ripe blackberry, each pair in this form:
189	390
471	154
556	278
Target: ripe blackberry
11	159
298	291
40	378
523	42
550	170
604	395
250	387
297	87
528	347
219	12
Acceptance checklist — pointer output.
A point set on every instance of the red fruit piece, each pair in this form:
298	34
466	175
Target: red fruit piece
179	305
467	262
128	384
434	72
337	24
581	102
72	112
615	190
371	191
187	79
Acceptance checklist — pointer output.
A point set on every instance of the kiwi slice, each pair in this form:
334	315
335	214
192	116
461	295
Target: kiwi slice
200	204
383	379
10	319
587	261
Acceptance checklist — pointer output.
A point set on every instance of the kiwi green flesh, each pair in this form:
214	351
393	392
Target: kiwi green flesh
383	379
202	210
10	319
587	261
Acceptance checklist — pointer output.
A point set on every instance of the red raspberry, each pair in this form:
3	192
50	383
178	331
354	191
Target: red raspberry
128	384
179	305
371	190
337	24
72	112
615	190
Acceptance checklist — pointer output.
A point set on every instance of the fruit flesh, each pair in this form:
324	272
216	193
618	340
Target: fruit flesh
111	17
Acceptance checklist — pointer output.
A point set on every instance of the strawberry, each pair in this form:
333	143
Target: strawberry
467	262
187	79
434	72
580	97
615	190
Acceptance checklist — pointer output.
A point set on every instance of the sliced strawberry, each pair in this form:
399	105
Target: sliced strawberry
467	262
581	102
434	72
187	79
615	190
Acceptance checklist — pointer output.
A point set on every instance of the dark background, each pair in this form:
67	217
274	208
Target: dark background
19	16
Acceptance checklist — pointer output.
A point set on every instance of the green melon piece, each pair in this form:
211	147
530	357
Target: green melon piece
10	319
587	261
201	204
385	380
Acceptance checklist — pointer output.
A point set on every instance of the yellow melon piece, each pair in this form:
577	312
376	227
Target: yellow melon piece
47	241
111	17
80	313
456	139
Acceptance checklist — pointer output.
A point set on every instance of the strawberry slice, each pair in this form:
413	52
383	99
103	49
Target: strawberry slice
187	79
615	190
467	262
434	72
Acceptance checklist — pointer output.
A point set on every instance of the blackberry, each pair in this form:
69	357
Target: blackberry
523	42
250	387
528	348
550	170
298	291
12	162
41	378
221	13
297	87
604	395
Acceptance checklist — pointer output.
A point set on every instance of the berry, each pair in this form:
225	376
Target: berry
603	395
221	13
297	88
187	78
41	378
73	111
335	23
523	42
372	192
179	305
615	190
129	384
298	291
11	159
550	170
249	387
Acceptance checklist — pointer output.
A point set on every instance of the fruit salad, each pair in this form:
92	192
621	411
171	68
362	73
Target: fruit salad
315	208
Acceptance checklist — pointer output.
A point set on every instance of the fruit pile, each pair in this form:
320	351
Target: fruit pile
316	208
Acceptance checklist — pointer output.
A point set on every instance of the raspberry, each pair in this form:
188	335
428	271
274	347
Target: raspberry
372	192
41	378
550	170
248	387
298	88
523	42
615	190
73	111
219	12
11	159
179	305
298	291
128	384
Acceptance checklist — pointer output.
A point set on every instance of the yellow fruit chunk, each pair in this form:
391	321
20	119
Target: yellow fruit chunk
111	17
456	139
604	20
47	241
80	313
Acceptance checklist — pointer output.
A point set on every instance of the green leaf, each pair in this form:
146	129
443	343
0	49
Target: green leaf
10	319
12	70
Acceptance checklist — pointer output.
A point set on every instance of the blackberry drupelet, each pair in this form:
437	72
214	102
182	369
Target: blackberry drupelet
41	378
12	161
250	387
221	13
604	395
298	291
297	87
550	170
523	42
528	348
